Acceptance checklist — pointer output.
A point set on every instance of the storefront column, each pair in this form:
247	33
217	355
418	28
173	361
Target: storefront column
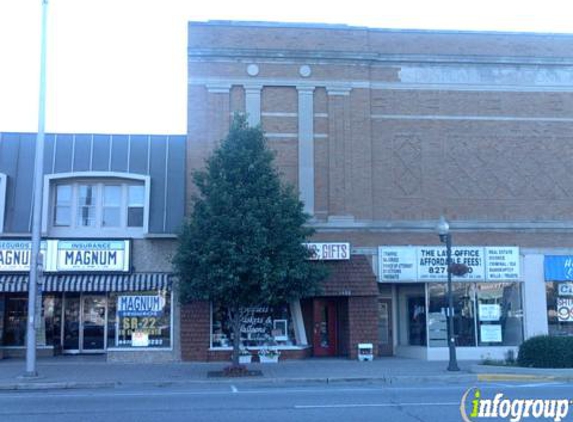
535	300
195	331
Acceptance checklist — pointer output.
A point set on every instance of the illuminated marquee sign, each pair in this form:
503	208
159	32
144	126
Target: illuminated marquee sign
92	255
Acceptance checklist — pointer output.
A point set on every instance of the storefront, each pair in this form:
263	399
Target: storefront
559	290
332	324
90	299
488	311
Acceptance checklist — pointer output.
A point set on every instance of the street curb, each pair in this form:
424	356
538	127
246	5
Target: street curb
503	373
254	380
56	385
519	377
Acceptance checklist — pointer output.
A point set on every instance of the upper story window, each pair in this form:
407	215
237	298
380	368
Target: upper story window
80	205
98	205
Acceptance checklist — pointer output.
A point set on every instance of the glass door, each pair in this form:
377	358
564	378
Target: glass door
93	323
84	323
71	326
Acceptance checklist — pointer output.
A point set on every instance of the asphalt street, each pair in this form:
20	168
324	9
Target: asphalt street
264	402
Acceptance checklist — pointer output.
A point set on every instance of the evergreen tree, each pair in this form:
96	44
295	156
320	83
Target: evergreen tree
243	244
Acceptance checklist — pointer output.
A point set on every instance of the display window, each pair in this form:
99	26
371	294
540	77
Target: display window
260	326
560	308
141	319
485	314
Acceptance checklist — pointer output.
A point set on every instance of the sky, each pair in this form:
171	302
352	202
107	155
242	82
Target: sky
119	66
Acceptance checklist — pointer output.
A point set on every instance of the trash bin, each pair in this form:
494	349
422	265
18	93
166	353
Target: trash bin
365	351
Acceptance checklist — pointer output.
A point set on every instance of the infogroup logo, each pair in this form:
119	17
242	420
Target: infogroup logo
474	407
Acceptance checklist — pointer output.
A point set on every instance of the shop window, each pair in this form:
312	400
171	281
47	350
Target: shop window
260	326
15	320
464	314
560	308
15	314
98	207
141	320
500	314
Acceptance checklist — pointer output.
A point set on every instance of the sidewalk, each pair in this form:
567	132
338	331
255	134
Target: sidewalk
94	372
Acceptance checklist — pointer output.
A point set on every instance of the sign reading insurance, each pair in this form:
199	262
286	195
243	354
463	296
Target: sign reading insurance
15	255
92	255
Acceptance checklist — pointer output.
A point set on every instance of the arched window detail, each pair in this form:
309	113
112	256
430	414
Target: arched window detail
96	204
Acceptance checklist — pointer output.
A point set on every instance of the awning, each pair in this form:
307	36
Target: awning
90	282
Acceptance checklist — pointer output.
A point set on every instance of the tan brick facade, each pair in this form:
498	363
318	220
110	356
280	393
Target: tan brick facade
407	126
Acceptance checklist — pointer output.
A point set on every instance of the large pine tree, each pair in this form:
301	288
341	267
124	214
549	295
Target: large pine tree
243	244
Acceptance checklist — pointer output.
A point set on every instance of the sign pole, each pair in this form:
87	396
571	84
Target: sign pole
35	261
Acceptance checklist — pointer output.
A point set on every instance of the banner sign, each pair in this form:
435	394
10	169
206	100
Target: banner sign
328	251
565	289
429	263
92	255
564	309
15	255
559	268
140	305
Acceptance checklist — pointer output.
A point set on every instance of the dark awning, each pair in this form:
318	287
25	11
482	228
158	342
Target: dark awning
90	282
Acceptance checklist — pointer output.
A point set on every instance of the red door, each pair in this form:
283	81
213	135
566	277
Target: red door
325	324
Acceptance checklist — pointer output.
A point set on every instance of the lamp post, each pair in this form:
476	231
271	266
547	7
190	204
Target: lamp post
443	229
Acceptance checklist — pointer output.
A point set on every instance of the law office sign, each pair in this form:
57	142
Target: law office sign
15	255
92	256
429	263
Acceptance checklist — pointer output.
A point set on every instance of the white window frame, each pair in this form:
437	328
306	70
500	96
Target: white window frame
3	182
99	179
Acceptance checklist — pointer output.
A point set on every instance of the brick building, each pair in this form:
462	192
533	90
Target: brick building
383	131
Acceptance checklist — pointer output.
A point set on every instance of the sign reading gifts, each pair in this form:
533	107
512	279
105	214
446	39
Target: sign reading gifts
67	255
429	263
328	251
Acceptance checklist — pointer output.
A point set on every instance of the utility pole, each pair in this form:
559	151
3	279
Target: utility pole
36	261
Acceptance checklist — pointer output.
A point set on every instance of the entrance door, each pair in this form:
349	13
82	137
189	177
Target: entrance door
93	323
84	323
385	339
325	324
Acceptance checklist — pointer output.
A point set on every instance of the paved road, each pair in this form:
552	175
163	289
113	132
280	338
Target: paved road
285	402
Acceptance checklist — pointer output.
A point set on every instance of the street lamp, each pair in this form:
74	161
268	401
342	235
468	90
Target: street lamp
443	230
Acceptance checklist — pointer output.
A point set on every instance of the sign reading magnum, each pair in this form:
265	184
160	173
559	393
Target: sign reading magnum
15	255
67	255
141	306
93	255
